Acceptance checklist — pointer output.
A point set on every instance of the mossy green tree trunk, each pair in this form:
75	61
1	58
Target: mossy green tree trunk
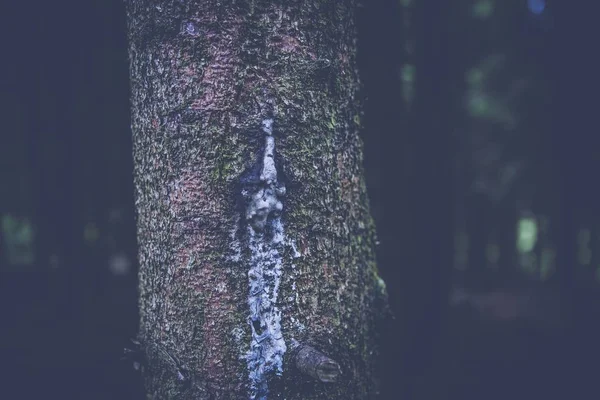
256	247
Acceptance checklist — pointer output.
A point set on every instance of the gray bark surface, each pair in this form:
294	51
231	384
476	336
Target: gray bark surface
253	222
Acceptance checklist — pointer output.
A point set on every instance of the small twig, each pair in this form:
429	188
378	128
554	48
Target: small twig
312	362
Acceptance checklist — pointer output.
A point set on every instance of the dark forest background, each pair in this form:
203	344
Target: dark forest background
481	157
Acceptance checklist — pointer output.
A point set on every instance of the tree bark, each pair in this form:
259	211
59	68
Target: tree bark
255	238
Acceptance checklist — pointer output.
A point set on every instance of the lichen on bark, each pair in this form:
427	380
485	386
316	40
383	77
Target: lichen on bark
204	78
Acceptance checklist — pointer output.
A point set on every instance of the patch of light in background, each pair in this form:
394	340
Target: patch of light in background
527	235
18	233
536	6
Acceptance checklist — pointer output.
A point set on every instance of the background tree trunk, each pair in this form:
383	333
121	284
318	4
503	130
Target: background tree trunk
253	223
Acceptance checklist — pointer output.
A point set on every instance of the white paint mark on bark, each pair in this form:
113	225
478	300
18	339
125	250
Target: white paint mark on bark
269	173
296	252
266	243
267	346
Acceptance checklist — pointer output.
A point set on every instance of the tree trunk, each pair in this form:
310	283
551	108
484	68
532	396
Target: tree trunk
257	267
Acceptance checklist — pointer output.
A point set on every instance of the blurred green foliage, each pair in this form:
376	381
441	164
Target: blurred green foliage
408	73
19	235
483	9
527	235
91	233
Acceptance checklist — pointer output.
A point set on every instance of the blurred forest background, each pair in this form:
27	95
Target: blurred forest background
481	162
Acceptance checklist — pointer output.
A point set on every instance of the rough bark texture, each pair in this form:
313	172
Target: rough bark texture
253	221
